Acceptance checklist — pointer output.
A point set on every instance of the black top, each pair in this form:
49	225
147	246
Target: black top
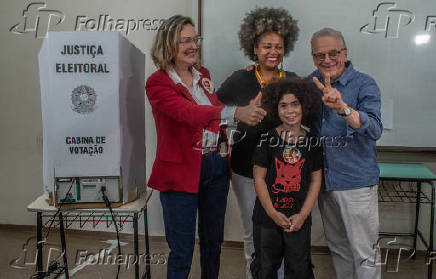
237	90
289	169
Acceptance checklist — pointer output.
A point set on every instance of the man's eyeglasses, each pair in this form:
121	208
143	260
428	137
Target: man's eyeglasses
333	54
187	41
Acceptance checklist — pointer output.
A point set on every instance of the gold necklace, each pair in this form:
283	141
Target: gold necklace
259	77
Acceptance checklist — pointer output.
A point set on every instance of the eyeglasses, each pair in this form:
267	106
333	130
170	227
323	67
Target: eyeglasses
187	41
333	54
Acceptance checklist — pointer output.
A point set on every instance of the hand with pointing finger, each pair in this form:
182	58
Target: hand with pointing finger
332	98
252	114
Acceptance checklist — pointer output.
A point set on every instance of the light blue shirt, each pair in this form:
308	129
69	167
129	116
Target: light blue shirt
350	156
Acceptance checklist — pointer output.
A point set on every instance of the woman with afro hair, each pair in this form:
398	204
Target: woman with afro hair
266	35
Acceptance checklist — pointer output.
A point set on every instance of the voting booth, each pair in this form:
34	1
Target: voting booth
92	98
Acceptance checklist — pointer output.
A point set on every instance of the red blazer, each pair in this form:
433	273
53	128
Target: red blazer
179	127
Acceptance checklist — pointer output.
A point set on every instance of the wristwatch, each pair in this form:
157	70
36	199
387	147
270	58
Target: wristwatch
347	111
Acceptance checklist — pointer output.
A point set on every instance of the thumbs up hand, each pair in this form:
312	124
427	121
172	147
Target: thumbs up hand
257	101
252	114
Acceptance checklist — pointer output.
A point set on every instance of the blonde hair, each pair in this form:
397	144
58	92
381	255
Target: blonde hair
164	46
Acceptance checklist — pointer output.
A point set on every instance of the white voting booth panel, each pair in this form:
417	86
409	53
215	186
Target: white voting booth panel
92	97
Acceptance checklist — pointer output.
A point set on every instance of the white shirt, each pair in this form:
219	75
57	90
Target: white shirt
210	139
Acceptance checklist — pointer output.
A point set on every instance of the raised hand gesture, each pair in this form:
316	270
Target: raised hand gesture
332	98
252	114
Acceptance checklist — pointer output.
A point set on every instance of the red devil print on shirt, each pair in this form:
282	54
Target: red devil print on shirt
288	177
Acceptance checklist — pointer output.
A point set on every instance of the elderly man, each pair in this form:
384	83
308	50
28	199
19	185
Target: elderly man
349	125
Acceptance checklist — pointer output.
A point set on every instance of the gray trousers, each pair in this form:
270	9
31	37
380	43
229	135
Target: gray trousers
246	196
245	193
351	226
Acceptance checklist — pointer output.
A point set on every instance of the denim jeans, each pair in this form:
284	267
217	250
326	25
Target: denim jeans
180	212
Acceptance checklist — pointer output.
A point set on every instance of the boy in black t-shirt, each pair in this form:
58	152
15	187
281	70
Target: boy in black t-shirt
287	179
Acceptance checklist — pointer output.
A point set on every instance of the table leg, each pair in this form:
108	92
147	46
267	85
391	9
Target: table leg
418	206
147	274
430	244
135	243
39	243
63	245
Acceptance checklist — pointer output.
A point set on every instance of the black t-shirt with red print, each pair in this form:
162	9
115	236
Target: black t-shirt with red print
289	168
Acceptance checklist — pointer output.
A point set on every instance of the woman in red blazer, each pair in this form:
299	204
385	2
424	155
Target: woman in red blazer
191	165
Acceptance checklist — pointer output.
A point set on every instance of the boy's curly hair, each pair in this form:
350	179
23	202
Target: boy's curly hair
303	89
264	20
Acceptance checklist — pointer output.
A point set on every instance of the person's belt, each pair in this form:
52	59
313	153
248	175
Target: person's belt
207	150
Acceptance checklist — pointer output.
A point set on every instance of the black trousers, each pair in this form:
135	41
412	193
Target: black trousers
271	245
